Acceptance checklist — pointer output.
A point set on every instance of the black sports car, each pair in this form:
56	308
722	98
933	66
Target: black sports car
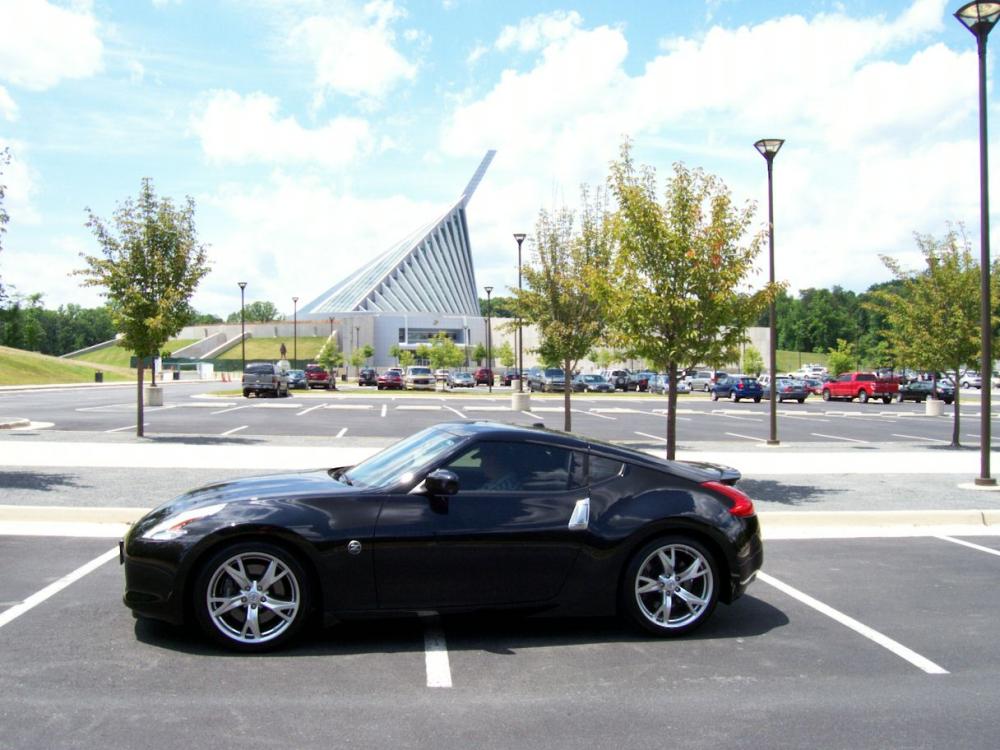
459	516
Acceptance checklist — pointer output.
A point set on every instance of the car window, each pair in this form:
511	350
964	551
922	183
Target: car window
496	466
260	368
400	461
602	469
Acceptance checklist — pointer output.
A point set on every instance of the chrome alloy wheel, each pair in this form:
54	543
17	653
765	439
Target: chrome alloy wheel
253	597
675	586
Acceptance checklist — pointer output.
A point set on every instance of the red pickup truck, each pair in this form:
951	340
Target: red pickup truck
861	386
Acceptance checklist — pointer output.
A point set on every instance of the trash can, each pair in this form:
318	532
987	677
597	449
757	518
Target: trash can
177	374
98	377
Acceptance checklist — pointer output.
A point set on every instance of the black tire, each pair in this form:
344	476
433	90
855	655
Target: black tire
886	399
714	396
246	393
218	580
862	397
801	400
693	570
756	399
826	395
733	397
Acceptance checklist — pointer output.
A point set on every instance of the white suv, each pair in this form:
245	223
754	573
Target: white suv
418	378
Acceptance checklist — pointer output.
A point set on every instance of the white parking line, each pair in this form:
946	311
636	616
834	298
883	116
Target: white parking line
436	654
385	409
920	662
837	437
717	413
235	429
235	408
311	408
418	408
916	437
746	437
456	411
970	545
54	588
343	431
593	413
127	427
655	437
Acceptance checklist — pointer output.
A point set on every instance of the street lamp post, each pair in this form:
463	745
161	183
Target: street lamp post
295	329
243	326
489	339
979	18
519	237
768	148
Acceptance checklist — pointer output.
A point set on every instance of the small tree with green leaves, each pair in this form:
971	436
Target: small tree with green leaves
752	362
331	358
479	353
358	359
841	359
933	316
395	351
505	354
444	353
564	281
406	358
679	293
149	267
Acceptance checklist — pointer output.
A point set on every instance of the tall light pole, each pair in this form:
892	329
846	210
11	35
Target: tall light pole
489	339
243	326
295	329
519	237
768	148
979	18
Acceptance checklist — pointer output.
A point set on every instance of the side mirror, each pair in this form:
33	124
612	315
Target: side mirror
441	482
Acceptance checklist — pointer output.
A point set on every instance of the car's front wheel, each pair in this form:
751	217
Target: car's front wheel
251	596
671	586
715	396
826	395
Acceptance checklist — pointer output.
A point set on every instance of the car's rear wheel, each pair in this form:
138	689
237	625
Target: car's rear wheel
826	395
671	586
251	596
715	396
733	397
863	397
246	393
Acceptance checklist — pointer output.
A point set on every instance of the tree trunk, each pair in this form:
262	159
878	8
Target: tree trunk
567	390
138	403
672	412
956	421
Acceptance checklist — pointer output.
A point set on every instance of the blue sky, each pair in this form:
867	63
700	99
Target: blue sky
313	135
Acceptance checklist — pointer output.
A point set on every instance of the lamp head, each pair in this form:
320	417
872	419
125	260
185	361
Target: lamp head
519	238
768	147
243	284
979	17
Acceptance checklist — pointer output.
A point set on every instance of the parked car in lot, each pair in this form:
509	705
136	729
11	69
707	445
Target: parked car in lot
461	380
815	386
368	376
484	376
617	378
703	380
921	390
252	560
508	377
592	383
971	380
548	380
264	379
390	380
317	376
737	387
862	386
419	378
297	379
639	381
660	383
441	375
789	389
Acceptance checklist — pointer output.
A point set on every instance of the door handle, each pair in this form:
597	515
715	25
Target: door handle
581	515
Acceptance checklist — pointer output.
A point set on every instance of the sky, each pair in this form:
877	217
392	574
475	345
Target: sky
314	134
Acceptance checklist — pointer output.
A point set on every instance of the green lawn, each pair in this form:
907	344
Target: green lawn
789	361
18	367
117	356
270	349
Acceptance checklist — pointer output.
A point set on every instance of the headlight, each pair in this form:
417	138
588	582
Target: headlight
173	527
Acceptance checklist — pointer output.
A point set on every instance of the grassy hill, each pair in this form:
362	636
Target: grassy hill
116	356
18	367
270	349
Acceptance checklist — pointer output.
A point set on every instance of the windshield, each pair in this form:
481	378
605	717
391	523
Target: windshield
406	457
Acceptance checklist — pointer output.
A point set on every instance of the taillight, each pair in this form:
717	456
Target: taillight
742	505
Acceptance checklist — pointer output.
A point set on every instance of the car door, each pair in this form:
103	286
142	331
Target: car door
503	539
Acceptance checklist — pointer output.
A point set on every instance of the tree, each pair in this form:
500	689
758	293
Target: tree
331	358
444	352
841	359
257	312
150	265
680	271
934	316
395	351
479	353
564	277
753	362
505	354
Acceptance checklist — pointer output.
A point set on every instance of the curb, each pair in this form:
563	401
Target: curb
13	423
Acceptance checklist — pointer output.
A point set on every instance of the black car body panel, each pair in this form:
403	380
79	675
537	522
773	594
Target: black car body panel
398	549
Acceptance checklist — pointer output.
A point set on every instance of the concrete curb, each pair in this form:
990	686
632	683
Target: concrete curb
14	423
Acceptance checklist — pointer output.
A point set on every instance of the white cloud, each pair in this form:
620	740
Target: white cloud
42	44
20	186
477	52
235	128
534	33
875	121
303	235
354	52
8	107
